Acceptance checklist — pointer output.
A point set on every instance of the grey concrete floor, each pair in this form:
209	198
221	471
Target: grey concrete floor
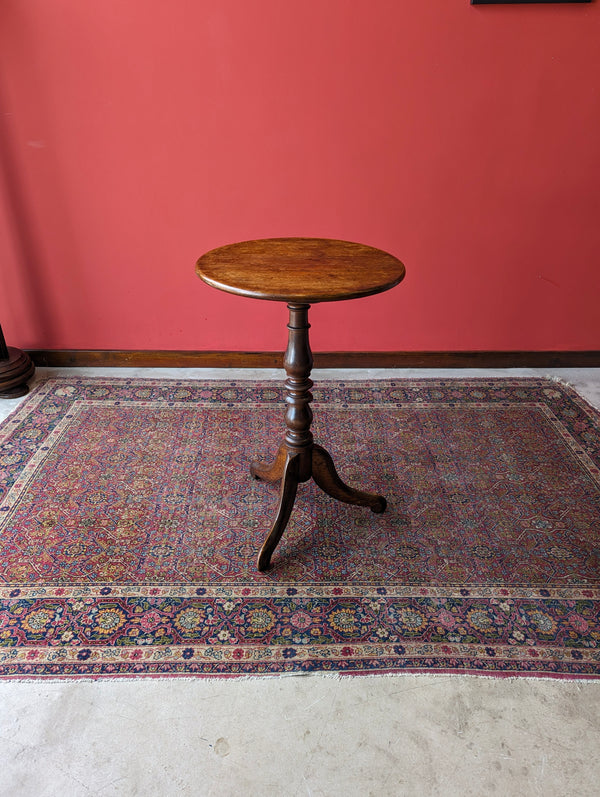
303	735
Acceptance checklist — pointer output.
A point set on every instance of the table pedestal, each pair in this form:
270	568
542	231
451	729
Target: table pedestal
299	458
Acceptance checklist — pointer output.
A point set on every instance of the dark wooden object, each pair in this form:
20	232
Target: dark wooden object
16	368
301	272
152	358
491	2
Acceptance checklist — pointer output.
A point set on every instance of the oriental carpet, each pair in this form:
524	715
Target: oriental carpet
129	529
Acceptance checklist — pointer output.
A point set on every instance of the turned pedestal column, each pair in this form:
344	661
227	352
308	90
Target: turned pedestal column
299	458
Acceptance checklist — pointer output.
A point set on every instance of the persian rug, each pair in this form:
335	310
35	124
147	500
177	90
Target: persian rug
130	525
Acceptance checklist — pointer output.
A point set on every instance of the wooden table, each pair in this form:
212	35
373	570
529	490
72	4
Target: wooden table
301	272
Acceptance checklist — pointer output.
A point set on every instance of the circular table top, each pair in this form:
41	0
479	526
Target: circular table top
300	270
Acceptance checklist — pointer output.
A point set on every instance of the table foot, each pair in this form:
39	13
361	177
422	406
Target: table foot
325	475
270	472
287	496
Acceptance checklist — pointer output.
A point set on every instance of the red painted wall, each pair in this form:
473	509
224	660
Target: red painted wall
137	134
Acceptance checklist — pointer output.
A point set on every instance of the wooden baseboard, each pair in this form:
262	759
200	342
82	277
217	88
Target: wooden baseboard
332	359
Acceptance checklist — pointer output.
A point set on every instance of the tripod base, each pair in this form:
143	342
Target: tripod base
15	370
293	467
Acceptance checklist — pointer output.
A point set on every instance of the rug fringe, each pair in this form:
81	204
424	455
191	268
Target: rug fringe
331	676
559	380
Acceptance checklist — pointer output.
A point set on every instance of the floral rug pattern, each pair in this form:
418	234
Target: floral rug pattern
129	529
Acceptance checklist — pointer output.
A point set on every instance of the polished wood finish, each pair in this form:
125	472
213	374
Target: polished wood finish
299	458
326	477
103	358
300	270
16	368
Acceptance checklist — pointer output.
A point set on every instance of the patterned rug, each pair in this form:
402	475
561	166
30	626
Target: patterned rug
129	528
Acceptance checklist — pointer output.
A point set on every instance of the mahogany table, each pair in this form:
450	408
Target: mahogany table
301	272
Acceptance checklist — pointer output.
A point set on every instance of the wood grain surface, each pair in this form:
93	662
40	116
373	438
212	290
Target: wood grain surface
300	270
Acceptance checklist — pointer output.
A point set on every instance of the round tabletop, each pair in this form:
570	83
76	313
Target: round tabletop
300	270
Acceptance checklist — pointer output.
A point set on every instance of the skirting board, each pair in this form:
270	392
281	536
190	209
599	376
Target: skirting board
64	358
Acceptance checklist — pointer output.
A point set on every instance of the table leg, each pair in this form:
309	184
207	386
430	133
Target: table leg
287	496
325	475
272	472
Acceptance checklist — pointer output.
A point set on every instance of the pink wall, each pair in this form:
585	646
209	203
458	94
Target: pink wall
137	134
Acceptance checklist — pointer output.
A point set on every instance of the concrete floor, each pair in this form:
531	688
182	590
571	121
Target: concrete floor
303	735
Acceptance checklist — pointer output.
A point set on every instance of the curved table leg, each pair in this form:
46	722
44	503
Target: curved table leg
270	472
325	475
287	495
